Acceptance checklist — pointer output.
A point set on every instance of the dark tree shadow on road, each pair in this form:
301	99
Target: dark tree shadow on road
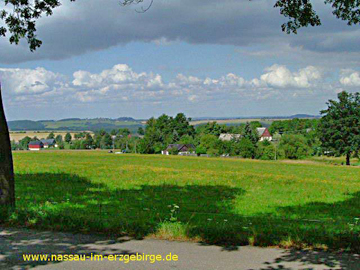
304	258
14	243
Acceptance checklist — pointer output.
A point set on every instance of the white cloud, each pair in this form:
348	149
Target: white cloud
30	81
279	76
349	77
121	84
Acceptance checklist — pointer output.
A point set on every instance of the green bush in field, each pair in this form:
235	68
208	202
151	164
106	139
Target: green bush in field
211	143
266	151
294	146
200	150
246	148
61	145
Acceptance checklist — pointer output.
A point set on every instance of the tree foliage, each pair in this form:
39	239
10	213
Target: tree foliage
68	137
250	133
59	139
161	132
247	148
51	136
294	146
339	127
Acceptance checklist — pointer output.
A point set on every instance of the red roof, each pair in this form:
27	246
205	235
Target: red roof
266	133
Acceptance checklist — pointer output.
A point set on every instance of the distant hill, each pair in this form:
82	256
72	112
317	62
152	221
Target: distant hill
25	125
76	124
304	116
255	117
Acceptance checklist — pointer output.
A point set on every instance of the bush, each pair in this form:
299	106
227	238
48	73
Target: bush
266	151
295	146
211	144
61	145
213	152
200	150
174	151
246	148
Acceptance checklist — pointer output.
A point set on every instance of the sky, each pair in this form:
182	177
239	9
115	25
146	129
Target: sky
204	58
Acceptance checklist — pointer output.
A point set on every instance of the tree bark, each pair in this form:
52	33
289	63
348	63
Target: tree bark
348	159
7	182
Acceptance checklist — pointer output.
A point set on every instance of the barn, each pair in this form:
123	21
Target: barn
35	145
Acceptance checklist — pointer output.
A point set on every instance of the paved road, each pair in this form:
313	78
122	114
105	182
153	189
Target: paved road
15	242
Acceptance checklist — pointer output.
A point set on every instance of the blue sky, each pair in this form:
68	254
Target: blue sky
224	59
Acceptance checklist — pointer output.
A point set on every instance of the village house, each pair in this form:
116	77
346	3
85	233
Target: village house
229	136
48	143
264	134
182	149
35	145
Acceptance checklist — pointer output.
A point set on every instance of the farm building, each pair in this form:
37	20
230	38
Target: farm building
182	149
264	134
229	136
48	143
35	145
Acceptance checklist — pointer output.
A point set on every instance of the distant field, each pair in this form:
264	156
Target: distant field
17	136
84	123
265	122
218	201
75	124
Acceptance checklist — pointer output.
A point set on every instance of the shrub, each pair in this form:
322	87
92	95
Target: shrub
246	148
294	146
61	145
200	150
213	152
267	152
174	151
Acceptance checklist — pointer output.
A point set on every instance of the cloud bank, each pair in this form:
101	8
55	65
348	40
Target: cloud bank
85	26
119	84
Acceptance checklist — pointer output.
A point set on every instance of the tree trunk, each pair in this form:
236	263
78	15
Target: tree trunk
7	183
348	159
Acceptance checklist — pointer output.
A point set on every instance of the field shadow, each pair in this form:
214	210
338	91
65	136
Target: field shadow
70	203
63	201
336	225
67	202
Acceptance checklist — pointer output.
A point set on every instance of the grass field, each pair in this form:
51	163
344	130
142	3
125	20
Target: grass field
218	201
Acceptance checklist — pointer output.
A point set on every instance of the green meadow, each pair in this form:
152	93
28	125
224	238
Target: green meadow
227	202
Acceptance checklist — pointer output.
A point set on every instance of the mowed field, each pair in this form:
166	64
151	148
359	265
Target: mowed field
217	201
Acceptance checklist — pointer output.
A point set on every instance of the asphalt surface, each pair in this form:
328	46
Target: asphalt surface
16	242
